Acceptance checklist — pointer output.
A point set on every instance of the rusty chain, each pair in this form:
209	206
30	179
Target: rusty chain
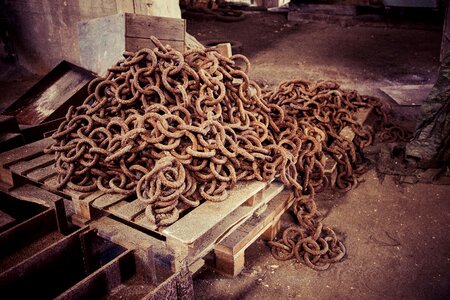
177	129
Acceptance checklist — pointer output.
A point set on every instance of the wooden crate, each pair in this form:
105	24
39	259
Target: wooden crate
103	40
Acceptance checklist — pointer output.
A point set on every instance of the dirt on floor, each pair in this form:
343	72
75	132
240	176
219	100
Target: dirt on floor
396	234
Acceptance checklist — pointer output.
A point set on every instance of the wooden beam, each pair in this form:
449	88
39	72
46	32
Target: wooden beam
37	195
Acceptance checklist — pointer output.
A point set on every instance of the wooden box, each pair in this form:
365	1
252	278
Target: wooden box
103	40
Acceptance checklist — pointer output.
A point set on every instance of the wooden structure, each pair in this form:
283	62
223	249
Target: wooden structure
28	173
125	32
41	108
43	256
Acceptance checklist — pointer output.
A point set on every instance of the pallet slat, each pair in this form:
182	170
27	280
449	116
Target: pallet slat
130	210
203	218
24	167
188	253
13	156
107	200
42	174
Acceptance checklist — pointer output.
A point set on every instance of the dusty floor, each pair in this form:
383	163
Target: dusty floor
396	235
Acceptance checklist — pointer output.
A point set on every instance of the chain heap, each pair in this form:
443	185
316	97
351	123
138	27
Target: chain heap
324	109
177	129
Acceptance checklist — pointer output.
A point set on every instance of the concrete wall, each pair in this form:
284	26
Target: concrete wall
44	32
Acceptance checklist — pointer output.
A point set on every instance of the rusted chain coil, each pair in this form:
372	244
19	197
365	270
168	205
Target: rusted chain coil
177	129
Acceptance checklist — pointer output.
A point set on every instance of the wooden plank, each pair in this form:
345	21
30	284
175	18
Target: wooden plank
130	210
8	124
60	264
42	174
224	49
11	140
144	245
34	194
248	232
51	183
99	283
200	220
26	166
187	253
362	114
238	217
22	153
230	265
98	54
40	196
143	26
50	98
143	221
134	44
107	200
82	206
230	252
6	221
26	232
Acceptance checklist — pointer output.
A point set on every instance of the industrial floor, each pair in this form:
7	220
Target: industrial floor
397	235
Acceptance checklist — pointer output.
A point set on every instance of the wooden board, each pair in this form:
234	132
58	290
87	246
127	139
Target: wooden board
5	221
27	152
144	246
143	26
50	98
26	166
230	252
134	44
43	197
125	32
192	239
255	226
203	218
198	230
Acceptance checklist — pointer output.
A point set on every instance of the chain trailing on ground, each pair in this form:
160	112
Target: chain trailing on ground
177	129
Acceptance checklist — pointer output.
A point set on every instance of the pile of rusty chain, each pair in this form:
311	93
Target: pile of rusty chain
299	109
177	129
174	128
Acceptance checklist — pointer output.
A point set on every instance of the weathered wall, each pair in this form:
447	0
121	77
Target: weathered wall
46	31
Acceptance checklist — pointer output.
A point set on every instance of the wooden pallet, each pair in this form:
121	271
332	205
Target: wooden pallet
230	252
194	235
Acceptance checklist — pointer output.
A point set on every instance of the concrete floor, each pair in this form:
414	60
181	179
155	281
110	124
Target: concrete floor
396	235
